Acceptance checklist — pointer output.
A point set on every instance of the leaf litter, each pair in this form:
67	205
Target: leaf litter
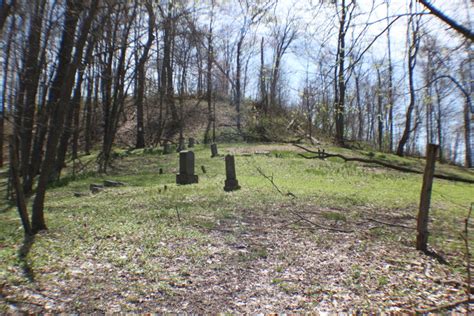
257	261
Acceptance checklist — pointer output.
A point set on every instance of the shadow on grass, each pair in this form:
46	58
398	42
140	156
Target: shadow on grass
23	257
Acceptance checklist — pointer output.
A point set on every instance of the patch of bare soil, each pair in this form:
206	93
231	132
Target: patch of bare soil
262	262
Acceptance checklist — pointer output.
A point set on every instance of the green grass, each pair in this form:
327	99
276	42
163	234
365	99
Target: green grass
129	226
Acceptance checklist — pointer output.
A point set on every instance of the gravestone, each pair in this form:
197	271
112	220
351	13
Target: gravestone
112	183
191	142
231	183
186	168
214	150
161	171
96	188
166	148
181	145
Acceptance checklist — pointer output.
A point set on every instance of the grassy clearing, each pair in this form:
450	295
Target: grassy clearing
149	235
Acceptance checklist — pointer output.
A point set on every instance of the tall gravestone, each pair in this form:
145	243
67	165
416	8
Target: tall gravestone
181	145
214	150
186	168
166	148
191	142
231	183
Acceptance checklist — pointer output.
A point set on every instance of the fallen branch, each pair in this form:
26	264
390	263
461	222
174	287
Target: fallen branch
378	162
389	224
455	283
301	217
445	306
318	225
270	178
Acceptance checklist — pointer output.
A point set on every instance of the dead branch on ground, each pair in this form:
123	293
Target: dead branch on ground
444	306
378	162
389	224
301	217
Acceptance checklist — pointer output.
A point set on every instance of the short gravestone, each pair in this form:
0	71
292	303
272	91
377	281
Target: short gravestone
191	142
112	183
166	148
214	150
161	171
231	183
96	188
186	168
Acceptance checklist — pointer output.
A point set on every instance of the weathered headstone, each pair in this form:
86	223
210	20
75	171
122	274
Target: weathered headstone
203	169
186	168
112	183
166	148
214	150
231	183
181	145
191	142
161	171
96	188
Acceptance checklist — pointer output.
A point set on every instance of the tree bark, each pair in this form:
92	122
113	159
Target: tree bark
412	53
5	10
58	99
20	196
31	75
340	93
140	142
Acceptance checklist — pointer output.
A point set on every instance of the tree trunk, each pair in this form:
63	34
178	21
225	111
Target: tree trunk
31	76
380	114
341	89
263	81
3	109
412	52
238	92
20	196
6	7
88	116
75	103
58	99
210	115
391	100
140	142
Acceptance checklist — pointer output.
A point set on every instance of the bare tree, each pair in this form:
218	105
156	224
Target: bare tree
251	16
413	35
283	35
6	7
57	100
140	143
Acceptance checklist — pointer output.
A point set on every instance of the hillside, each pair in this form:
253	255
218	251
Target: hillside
340	237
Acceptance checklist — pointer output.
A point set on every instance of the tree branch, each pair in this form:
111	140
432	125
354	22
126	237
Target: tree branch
455	25
378	162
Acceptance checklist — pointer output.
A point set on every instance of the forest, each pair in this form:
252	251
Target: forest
236	156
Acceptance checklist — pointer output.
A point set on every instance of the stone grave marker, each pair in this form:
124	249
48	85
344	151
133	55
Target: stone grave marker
181	145
166	148
231	183
214	150
191	142
186	168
